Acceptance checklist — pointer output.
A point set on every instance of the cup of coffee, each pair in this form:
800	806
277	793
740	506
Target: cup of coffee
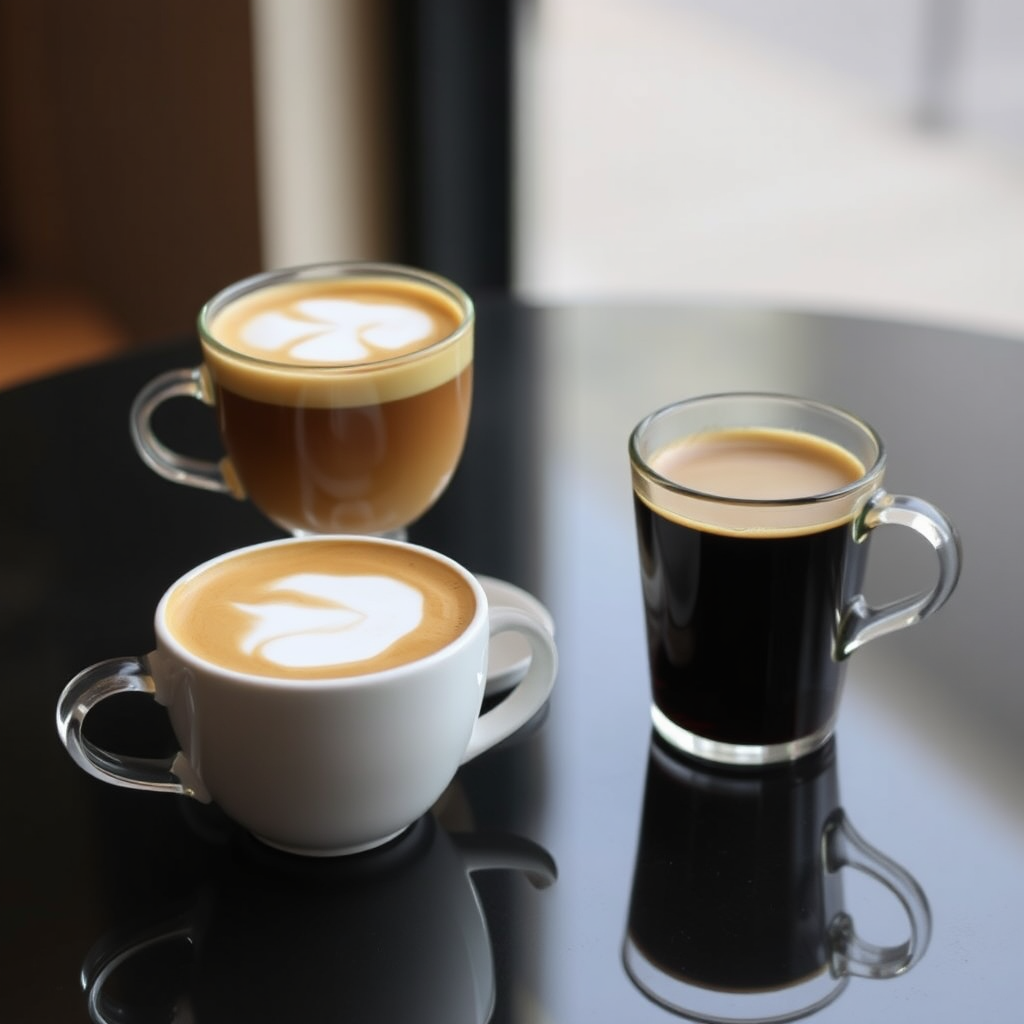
738	910
753	516
342	393
323	690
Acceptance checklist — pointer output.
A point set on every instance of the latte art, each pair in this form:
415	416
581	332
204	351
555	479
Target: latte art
320	610
361	324
331	620
336	331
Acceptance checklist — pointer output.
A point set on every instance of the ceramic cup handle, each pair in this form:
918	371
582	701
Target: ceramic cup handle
860	622
511	853
181	469
529	695
94	685
845	847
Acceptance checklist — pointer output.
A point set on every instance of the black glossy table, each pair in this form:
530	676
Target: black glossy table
170	913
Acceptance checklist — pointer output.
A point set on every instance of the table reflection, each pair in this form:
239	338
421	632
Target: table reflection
397	934
737	910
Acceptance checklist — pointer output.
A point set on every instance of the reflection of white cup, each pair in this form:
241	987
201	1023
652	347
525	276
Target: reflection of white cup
323	690
398	935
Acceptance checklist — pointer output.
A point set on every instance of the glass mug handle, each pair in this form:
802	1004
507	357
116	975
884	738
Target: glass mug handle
843	846
90	687
181	469
104	960
859	622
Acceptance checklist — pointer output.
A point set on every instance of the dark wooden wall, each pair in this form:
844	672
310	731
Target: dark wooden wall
127	157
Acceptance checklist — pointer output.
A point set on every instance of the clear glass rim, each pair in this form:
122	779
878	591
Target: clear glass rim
871	472
327	271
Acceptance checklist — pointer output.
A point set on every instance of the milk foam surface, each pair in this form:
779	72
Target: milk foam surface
763	482
319	609
758	464
336	331
338	342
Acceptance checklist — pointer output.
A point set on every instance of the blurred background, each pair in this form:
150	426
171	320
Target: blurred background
864	157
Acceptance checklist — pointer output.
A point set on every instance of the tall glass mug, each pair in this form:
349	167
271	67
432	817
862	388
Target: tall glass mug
753	516
342	393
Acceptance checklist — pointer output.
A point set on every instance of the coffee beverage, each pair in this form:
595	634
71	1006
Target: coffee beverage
342	393
335	610
343	401
323	691
753	515
709	616
336	321
757	464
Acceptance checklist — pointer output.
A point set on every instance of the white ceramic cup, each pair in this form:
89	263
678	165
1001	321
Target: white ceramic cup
321	766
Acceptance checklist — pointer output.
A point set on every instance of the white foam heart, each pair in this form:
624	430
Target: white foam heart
336	330
336	620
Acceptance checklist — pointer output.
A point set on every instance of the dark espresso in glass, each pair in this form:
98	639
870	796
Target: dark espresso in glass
741	614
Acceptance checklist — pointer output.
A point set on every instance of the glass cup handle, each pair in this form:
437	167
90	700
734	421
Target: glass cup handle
859	622
92	686
106	958
843	846
529	695
181	469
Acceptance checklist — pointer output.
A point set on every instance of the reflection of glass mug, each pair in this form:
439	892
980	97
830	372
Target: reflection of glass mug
737	911
324	690
342	392
753	516
394	935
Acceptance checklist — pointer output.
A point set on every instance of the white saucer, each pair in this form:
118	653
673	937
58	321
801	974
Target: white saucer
509	655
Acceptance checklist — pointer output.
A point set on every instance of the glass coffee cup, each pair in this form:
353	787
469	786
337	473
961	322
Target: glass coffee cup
754	514
342	393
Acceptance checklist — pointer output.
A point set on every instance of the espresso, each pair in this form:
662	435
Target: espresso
343	403
319	611
741	597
